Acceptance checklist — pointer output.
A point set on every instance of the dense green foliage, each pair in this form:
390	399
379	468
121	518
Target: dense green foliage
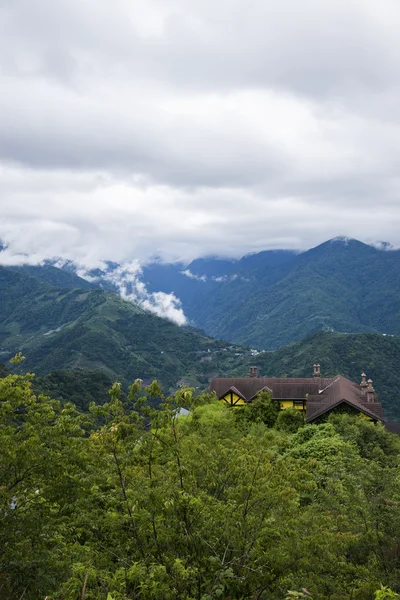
152	505
78	386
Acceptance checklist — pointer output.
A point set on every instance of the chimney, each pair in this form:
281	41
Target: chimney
253	371
363	384
370	392
317	370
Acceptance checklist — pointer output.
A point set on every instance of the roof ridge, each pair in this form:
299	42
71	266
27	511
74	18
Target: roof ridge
263	389
331	383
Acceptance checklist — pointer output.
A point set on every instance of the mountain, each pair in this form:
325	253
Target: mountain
104	339
92	329
271	298
264	300
55	276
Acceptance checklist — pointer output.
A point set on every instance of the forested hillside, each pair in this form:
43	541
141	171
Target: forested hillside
125	502
272	298
342	286
60	328
77	386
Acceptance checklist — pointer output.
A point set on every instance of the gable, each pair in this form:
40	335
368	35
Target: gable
343	405
233	399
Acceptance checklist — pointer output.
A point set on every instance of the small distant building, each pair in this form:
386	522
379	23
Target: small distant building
316	396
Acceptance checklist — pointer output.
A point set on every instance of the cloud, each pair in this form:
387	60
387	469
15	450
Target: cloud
191	275
126	279
186	128
224	278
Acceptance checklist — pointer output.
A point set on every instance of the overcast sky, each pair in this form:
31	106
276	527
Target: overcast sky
181	128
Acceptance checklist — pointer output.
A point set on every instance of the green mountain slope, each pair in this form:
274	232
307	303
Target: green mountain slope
56	276
58	328
341	285
269	299
62	329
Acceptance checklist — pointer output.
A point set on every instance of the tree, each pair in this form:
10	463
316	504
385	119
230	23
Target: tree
260	410
134	502
290	420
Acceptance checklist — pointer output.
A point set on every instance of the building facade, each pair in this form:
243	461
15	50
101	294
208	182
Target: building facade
316	396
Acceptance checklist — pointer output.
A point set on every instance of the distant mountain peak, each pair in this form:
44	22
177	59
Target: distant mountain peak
342	239
346	241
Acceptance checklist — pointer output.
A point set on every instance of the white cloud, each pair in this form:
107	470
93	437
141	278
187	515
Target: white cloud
224	278
165	305
126	279
191	275
184	128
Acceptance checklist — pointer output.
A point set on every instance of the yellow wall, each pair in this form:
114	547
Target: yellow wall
286	404
233	399
290	404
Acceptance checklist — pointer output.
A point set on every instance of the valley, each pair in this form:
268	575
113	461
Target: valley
62	322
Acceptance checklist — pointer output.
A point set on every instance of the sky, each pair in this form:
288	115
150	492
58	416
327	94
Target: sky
134	129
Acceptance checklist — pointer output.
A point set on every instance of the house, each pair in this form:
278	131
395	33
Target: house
316	396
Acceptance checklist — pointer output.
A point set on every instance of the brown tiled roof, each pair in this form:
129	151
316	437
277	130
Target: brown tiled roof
236	391
342	390
375	408
322	394
281	387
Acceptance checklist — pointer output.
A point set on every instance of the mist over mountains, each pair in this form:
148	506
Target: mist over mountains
280	310
263	300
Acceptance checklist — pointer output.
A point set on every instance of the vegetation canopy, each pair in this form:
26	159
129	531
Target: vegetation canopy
125	501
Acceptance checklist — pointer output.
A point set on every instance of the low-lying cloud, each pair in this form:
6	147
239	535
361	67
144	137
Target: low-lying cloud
126	280
191	275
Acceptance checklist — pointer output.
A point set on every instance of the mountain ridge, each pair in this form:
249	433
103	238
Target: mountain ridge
266	299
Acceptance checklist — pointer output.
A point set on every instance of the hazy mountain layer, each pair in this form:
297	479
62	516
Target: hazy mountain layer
264	300
272	298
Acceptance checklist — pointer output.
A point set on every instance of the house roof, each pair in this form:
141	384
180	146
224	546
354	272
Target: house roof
281	387
234	390
322	393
